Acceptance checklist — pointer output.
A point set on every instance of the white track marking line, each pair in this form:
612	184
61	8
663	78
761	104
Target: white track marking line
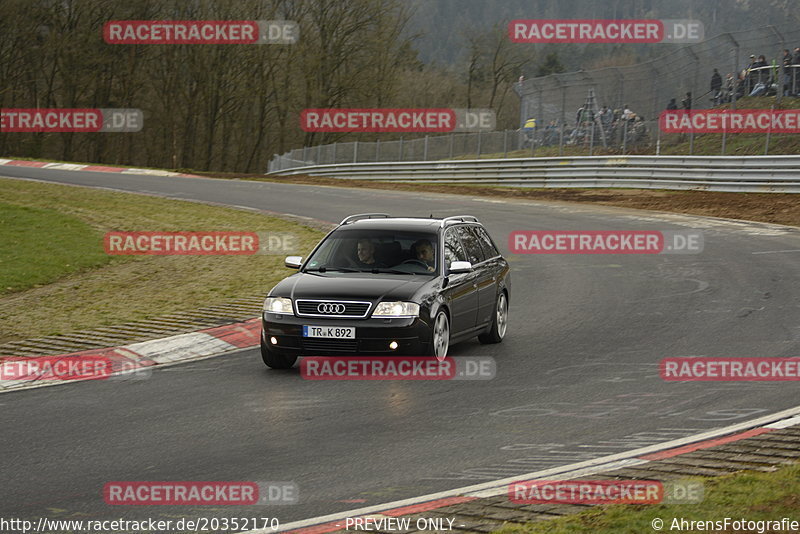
776	251
584	468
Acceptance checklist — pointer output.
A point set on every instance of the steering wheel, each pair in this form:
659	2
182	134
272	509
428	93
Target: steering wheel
418	262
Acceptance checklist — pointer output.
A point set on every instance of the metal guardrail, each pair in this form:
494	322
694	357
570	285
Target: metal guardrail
755	174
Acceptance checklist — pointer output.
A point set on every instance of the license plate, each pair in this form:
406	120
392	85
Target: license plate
334	332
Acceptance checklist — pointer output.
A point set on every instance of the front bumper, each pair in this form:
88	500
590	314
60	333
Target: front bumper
412	334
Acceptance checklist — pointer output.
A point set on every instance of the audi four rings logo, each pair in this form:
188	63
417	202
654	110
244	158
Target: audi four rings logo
327	307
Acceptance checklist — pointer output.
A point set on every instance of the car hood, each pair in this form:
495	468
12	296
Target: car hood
350	286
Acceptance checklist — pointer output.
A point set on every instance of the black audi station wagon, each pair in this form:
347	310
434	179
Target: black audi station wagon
381	285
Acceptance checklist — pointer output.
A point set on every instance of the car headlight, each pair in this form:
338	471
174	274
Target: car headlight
396	309
278	305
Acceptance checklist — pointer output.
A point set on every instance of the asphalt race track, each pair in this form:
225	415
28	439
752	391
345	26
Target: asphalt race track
577	375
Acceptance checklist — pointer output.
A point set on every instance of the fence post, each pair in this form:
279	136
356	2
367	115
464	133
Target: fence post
400	157
561	141
624	136
425	151
533	141
305	155
377	150
658	140
505	144
334	154
355	152
724	138
452	137
591	140
479	143
769	131
319	154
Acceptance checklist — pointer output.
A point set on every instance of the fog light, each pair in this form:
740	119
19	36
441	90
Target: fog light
273	340
393	345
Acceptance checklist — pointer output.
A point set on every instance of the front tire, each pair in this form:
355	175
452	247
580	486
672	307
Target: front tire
440	337
497	331
274	360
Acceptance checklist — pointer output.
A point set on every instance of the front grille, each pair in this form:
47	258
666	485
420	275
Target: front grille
333	308
330	345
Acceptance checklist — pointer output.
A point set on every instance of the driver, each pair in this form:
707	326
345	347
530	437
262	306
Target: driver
423	250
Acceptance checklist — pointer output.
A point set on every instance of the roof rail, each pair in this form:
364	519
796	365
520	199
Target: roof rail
459	218
352	218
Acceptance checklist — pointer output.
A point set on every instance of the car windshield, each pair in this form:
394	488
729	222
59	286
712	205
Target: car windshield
377	251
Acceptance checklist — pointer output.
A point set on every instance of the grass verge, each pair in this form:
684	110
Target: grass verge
750	496
97	290
39	246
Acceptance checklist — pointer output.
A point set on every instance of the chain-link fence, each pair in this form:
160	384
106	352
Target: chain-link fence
646	88
635	96
594	137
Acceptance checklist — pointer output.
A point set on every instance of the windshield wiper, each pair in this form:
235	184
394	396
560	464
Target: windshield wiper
385	270
340	269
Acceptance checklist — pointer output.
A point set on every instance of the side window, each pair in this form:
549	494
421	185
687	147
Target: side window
453	251
489	250
471	245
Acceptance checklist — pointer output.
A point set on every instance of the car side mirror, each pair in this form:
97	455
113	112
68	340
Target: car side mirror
460	267
293	262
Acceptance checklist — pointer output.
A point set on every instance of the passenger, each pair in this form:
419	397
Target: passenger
366	255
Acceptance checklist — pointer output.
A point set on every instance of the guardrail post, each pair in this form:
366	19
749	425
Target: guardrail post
425	150
355	152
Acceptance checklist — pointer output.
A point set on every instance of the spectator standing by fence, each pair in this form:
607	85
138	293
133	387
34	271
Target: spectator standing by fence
687	101
716	87
786	72
796	72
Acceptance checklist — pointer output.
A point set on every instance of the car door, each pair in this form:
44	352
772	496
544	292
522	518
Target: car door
494	267
484	283
461	291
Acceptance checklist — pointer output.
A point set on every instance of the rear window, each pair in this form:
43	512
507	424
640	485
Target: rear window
489	250
471	245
